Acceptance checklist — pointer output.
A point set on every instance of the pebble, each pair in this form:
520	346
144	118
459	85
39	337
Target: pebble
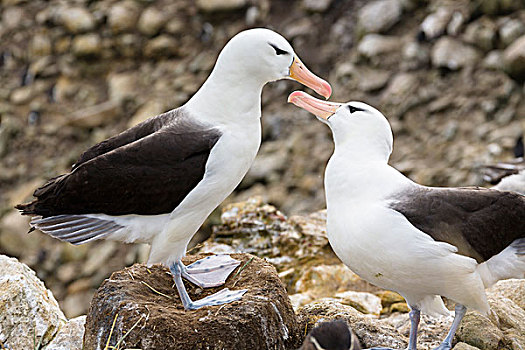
161	47
76	19
380	15
123	16
453	54
514	58
220	5
151	21
374	45
510	30
87	45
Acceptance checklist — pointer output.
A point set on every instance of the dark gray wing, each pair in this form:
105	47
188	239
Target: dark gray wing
149	176
133	134
480	222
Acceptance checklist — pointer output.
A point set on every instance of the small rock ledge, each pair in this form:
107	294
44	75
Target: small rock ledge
138	307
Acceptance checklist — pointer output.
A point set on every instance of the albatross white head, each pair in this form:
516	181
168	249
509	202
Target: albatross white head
249	60
359	130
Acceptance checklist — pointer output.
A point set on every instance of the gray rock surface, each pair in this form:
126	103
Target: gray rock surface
28	311
69	336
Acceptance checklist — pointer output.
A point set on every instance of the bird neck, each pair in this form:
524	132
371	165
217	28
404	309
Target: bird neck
361	149
227	97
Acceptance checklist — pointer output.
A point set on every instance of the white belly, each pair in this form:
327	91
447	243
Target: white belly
229	160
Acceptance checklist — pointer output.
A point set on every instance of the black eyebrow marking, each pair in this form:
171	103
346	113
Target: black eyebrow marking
278	51
355	109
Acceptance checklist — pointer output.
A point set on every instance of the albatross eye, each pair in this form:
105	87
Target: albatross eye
278	51
355	109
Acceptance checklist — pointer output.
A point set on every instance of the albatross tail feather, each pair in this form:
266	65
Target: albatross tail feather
510	263
75	229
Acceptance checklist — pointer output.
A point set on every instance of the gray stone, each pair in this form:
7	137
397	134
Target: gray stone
95	116
69	336
28	310
479	331
317	5
22	95
494	60
40	45
375	44
513	289
456	23
87	45
128	45
510	30
161	46
494	7
435	24
514	58
123	16
151	21
220	5
415	55
453	54
364	302
122	86
464	346
149	109
380	15
481	33
76	19
371	79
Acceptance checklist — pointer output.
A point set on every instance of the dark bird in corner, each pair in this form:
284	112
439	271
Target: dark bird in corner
333	335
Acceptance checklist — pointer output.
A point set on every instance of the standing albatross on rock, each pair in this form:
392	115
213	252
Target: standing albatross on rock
157	182
422	242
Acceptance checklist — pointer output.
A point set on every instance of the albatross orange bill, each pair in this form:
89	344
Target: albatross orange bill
300	73
320	108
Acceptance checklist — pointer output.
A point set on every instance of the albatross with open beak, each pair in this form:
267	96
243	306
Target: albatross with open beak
422	242
157	182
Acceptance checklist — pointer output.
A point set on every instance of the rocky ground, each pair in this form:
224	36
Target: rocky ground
138	307
447	74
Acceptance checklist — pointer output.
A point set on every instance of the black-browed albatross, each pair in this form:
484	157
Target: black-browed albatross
423	242
157	182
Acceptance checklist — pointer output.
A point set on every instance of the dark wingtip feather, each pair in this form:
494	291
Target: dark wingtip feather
26	208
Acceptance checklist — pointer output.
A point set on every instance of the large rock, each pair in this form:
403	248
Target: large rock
147	313
28	311
453	54
514	58
505	325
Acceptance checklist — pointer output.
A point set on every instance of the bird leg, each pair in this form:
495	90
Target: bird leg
211	271
414	315
460	311
222	297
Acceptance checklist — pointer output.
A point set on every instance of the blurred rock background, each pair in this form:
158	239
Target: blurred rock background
448	74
